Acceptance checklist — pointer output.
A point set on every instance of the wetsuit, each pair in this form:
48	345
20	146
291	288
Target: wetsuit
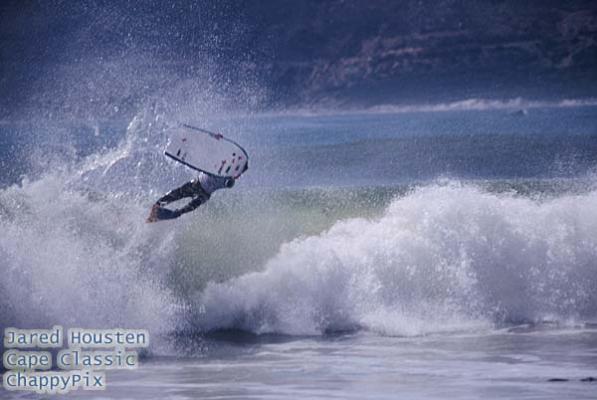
199	190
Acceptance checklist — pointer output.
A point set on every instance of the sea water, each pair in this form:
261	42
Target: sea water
404	253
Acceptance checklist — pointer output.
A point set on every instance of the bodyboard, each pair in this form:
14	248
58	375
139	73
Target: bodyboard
206	151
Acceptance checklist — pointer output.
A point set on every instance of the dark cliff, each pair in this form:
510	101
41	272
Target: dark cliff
336	52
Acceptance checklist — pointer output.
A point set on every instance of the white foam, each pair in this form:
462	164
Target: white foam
77	254
470	104
446	257
71	259
479	104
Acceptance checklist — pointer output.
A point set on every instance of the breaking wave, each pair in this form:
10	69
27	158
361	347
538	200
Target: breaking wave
445	257
76	251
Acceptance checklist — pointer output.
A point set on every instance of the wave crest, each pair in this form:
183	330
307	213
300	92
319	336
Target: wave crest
445	257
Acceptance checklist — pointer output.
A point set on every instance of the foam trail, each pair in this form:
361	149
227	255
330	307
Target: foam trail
476	104
443	258
470	104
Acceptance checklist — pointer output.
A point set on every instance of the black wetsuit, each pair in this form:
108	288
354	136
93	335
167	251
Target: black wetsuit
199	190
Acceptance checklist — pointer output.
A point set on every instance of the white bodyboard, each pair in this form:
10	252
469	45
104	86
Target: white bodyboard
205	151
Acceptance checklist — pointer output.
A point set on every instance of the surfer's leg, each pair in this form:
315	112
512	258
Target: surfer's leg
186	190
199	199
159	213
189	189
164	213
